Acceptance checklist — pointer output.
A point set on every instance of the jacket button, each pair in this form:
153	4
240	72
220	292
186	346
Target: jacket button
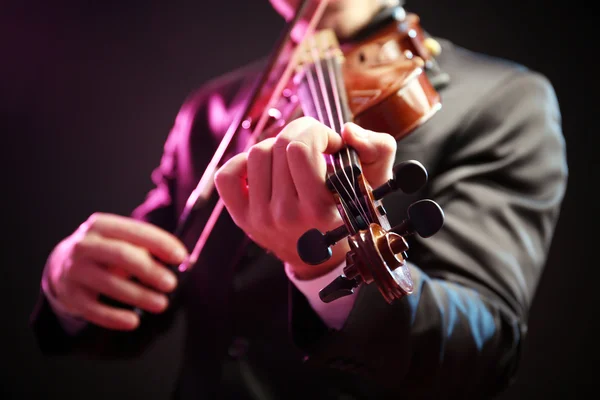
238	347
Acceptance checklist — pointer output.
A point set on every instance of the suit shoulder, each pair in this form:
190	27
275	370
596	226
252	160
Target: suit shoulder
486	89
483	74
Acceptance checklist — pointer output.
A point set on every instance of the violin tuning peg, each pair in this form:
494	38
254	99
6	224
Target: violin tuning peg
314	247
433	46
409	177
339	287
425	217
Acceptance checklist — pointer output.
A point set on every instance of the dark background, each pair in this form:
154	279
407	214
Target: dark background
88	93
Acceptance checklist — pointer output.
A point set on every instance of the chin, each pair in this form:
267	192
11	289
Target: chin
287	8
338	16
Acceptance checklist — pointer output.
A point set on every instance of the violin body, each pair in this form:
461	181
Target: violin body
385	81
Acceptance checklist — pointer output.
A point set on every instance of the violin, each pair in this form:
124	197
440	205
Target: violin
379	82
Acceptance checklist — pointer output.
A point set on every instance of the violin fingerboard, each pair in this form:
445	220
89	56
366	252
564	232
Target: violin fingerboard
320	82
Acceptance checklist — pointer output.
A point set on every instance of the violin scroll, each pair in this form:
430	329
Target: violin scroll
377	254
380	256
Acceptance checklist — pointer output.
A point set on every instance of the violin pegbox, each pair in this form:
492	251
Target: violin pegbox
378	254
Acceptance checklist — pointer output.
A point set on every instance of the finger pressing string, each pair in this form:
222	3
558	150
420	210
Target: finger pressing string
375	150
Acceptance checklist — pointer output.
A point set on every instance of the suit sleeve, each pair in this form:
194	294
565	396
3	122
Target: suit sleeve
49	328
461	332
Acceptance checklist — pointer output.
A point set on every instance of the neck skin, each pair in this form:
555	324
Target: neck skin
345	21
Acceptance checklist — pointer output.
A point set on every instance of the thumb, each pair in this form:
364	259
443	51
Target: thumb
376	152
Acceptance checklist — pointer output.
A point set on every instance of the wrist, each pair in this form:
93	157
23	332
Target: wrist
50	271
333	314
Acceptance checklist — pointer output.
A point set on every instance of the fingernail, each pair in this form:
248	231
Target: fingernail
169	280
180	253
132	321
160	302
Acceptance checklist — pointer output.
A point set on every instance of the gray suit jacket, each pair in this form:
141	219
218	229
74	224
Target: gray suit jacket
496	161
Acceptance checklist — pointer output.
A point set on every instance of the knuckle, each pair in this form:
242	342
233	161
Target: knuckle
147	299
284	215
121	254
78	248
260	217
303	123
389	143
69	270
316	212
140	297
258	153
80	302
135	296
146	266
112	287
297	127
125	257
81	245
226	174
299	147
220	178
281	143
110	283
65	293
221	174
278	211
142	230
93	220
91	314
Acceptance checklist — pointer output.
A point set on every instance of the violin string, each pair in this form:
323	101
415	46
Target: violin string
333	77
312	89
327	103
287	73
333	84
313	93
310	80
323	87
